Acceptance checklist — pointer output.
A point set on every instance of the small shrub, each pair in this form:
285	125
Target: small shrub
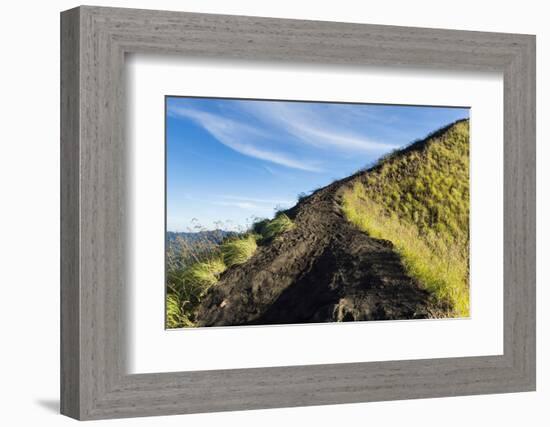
302	196
259	226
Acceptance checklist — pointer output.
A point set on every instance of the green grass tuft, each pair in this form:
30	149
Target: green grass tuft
278	225
175	316
202	275
238	250
186	288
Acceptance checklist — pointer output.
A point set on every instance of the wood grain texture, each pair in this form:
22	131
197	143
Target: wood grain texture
94	382
70	291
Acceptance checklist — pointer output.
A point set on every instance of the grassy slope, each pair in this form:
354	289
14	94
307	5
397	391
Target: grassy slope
419	200
186	285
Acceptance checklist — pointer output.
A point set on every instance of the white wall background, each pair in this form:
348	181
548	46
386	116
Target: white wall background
29	214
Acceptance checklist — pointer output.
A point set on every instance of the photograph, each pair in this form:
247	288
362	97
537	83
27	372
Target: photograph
293	212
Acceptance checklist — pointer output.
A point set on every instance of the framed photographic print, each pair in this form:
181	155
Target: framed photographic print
261	213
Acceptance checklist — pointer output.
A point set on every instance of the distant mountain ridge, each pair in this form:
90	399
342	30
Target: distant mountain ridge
185	248
214	236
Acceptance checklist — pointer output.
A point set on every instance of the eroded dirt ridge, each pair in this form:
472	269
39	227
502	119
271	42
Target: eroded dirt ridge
322	270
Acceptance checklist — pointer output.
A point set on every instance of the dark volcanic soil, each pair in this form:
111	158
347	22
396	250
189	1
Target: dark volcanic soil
321	271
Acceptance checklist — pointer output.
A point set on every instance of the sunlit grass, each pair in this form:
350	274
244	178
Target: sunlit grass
187	283
442	268
419	200
238	250
278	225
175	316
202	275
186	287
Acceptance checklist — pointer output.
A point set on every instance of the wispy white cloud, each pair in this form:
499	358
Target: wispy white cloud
241	138
322	128
241	202
251	203
258	200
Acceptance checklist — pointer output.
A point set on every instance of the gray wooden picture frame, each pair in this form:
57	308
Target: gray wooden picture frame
94	382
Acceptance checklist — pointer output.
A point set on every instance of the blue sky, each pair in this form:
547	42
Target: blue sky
229	161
